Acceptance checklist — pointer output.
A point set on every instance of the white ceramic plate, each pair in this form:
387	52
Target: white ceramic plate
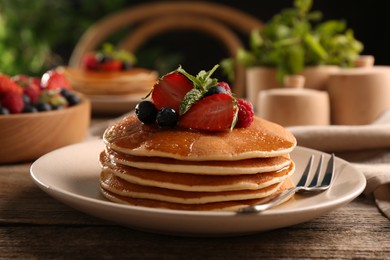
71	175
114	104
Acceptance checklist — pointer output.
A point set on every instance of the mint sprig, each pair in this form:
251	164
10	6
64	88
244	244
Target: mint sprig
203	80
202	83
189	99
118	54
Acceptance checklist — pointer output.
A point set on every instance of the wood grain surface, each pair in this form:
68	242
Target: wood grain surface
35	226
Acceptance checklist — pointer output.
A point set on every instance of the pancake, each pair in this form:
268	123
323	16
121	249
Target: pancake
246	166
196	182
116	185
182	168
260	140
133	81
216	206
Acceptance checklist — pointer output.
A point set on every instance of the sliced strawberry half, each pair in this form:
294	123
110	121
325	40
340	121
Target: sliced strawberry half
212	113
112	65
54	79
8	85
170	90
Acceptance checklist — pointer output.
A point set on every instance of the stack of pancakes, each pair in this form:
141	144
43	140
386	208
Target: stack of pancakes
134	81
183	169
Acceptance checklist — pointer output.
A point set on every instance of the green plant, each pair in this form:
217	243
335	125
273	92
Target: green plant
295	39
37	35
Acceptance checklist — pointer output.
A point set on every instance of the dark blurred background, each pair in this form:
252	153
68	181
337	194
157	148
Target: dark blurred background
36	35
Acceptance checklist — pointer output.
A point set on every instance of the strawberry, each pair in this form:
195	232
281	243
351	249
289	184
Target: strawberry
108	58
13	102
7	85
211	113
32	92
170	90
29	86
112	65
90	62
54	79
37	81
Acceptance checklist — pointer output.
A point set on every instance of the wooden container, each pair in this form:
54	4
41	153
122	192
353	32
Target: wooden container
258	79
294	105
359	95
27	136
262	78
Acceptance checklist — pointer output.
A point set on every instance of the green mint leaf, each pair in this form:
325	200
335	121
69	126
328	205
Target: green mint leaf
193	79
210	83
202	81
315	47
206	77
201	75
303	5
190	98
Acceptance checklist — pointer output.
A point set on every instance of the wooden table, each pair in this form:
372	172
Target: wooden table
36	226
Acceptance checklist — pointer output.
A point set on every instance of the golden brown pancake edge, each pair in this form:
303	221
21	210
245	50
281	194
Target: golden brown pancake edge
261	139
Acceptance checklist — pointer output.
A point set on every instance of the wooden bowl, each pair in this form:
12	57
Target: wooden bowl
27	136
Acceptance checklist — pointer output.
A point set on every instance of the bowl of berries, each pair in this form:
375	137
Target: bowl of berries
38	115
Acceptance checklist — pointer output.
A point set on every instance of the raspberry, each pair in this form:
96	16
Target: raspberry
13	102
245	113
225	86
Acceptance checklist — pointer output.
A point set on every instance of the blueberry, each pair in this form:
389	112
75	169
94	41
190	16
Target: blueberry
4	111
216	90
102	58
43	106
167	117
57	107
29	109
146	112
26	99
65	92
126	66
70	97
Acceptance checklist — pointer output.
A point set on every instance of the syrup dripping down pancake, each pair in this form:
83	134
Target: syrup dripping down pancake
196	182
215	206
121	187
246	166
261	139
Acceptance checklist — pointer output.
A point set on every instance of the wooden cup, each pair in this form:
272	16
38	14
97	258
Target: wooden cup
263	78
359	95
294	105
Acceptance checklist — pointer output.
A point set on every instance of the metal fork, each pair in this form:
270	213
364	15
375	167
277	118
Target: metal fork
316	185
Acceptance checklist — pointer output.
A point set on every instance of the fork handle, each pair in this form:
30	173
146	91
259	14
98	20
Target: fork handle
273	201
